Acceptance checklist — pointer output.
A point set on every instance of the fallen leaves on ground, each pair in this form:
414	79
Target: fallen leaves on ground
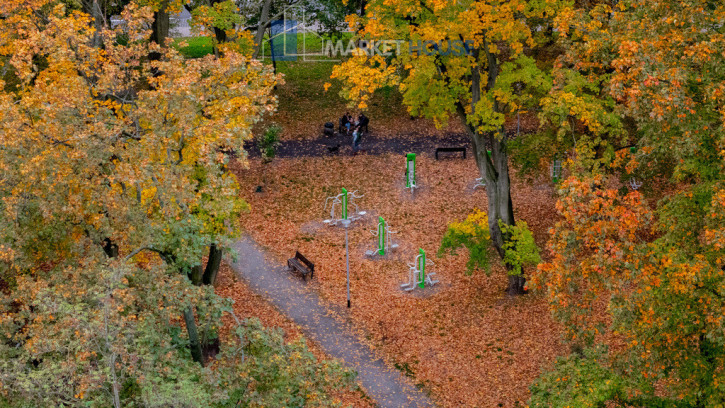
464	341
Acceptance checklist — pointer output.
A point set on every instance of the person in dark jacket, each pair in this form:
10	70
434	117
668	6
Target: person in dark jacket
345	123
363	122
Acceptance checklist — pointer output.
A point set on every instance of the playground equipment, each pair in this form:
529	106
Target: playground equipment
479	181
410	181
634	184
343	201
417	275
384	242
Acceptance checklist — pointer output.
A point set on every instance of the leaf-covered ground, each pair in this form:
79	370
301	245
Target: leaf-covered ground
463	340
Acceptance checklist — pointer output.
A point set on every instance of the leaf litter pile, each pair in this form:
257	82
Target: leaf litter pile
463	340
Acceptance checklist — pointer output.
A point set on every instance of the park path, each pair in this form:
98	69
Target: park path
336	337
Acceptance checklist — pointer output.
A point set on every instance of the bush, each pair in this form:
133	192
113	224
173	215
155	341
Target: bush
269	141
520	249
473	234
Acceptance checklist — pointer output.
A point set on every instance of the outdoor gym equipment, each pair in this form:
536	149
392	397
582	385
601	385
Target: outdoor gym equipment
343	201
479	181
633	183
417	275
384	242
410	181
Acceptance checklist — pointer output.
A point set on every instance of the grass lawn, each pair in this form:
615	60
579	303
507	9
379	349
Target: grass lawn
463	340
197	47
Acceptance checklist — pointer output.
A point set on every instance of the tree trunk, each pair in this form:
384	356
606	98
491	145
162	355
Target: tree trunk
271	51
110	248
196	275
194	343
93	8
493	168
221	35
262	27
212	265
160	26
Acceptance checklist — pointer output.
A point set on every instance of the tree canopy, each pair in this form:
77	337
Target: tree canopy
114	183
640	87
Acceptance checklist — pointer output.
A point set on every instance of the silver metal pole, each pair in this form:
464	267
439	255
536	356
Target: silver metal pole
345	224
347	256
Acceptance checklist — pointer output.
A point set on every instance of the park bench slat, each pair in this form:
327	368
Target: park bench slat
302	265
461	149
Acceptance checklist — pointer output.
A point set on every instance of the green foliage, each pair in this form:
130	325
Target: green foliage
578	381
267	372
520	249
93	328
269	141
221	15
587	380
581	381
90	328
473	234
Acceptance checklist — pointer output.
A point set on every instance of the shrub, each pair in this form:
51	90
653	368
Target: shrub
269	141
473	234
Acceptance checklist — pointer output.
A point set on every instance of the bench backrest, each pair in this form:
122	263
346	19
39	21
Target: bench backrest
304	260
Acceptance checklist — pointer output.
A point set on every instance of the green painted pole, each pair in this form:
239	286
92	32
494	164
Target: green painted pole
409	169
381	236
421	268
344	204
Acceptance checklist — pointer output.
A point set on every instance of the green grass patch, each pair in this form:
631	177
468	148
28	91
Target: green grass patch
305	82
309	43
196	47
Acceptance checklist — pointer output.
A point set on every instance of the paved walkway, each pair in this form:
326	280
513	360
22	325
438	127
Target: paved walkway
284	290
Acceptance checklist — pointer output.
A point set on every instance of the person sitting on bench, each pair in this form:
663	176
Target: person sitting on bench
350	123
345	123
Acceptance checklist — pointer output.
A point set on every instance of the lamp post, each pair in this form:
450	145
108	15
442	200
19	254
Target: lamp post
345	224
342	200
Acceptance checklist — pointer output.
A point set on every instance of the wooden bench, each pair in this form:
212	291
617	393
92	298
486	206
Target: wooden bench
451	149
301	265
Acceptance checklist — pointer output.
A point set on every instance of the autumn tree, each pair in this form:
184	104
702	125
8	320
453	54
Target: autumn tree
467	60
114	185
639	266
